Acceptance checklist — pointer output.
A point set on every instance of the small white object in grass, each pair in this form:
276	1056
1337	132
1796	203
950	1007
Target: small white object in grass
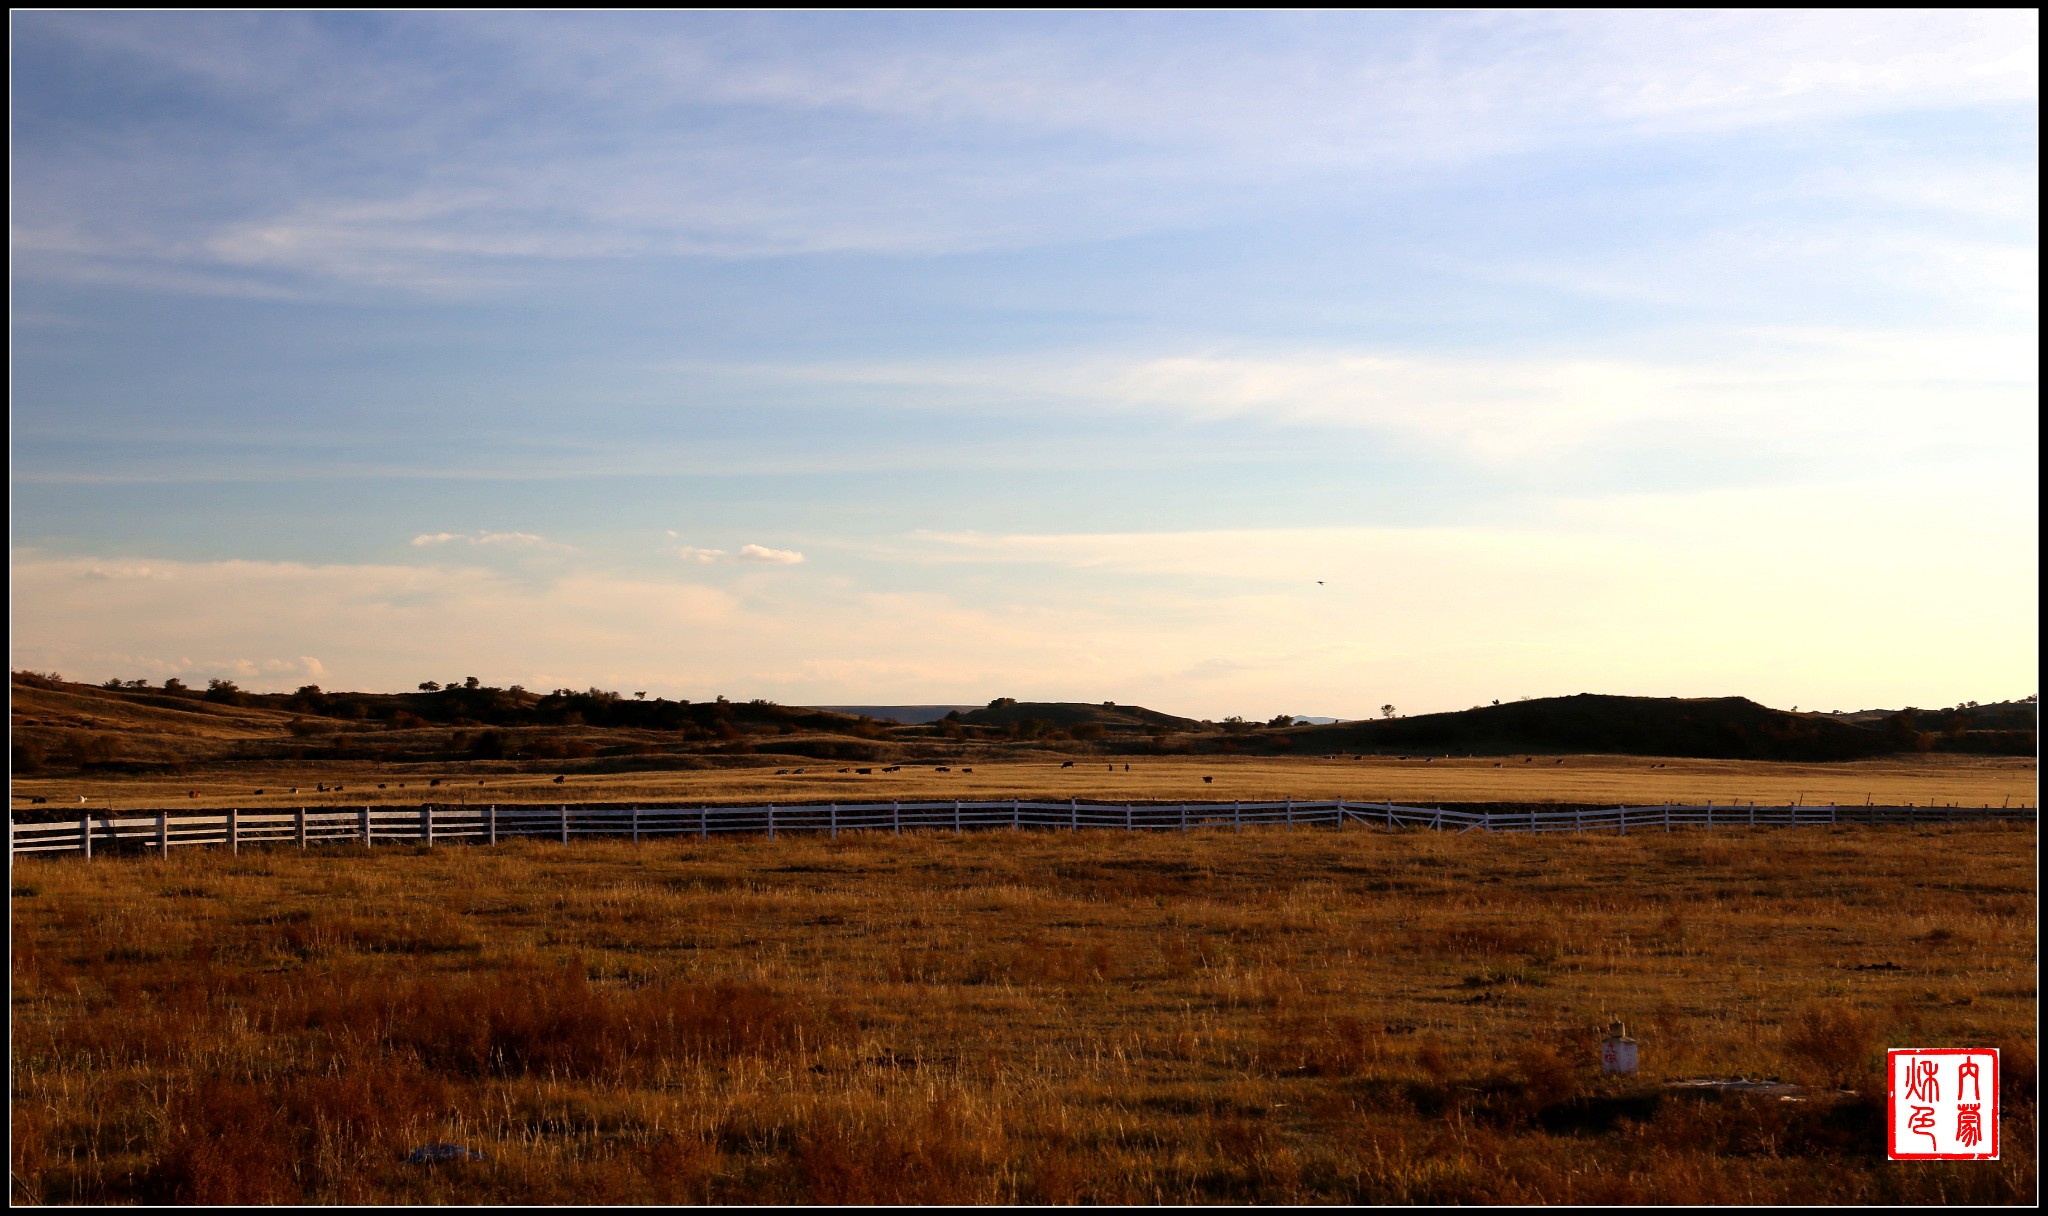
1618	1052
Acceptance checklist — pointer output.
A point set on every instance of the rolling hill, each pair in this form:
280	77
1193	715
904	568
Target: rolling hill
1728	728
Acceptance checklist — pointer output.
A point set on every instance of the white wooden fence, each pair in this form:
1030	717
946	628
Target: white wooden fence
367	827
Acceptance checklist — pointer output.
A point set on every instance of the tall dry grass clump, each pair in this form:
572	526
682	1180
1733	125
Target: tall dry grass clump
1835	1045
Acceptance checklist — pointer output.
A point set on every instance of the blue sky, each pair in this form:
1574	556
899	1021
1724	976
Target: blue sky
899	357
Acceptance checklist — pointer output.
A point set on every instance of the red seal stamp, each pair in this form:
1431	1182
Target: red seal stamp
1942	1104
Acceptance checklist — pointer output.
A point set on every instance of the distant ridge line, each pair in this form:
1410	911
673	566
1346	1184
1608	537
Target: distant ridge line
908	715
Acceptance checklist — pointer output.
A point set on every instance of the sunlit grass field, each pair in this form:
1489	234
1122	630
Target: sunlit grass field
1897	780
1308	1016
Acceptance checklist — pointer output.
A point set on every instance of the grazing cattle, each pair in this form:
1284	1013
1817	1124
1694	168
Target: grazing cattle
1066	764
320	787
1429	759
862	771
479	780
37	801
380	785
1528	759
942	769
188	794
1496	764
259	791
844	770
1207	780
966	770
560	780
339	788
782	772
1127	768
1560	759
799	772
894	768
1404	757
295	789
401	785
434	782
1110	767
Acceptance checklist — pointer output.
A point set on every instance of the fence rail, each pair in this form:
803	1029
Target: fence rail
367	827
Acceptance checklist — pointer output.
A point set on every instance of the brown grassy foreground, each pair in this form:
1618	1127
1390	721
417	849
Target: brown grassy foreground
1609	780
1274	1017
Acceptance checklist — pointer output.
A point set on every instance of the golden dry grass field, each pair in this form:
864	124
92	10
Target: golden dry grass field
1897	780
1314	1016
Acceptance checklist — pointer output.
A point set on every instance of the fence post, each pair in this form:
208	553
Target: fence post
703	823
1127	816
1390	814
636	825
163	832
771	821
1183	816
1831	812
1016	816
299	826
565	823
956	816
1290	812
427	823
1073	814
366	827
1667	816
834	814
84	831
1236	815
1752	813
234	832
492	817
895	817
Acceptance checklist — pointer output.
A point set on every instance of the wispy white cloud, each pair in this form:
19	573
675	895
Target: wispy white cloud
750	554
518	540
124	571
506	540
766	556
1810	392
1017	131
